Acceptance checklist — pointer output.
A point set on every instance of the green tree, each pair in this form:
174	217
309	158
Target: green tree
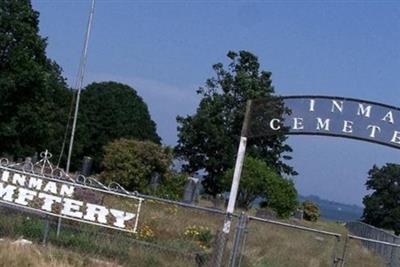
109	111
382	204
208	140
132	163
33	95
258	180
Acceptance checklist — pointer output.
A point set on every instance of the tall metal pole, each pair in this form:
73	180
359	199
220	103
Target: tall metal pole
219	253
81	75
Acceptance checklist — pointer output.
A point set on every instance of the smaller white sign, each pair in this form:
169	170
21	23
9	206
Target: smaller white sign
59	198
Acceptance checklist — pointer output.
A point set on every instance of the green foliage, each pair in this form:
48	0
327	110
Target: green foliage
109	111
208	140
382	204
34	98
31	228
172	186
258	180
253	182
202	235
311	211
132	163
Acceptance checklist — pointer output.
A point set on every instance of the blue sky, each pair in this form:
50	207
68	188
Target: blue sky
165	49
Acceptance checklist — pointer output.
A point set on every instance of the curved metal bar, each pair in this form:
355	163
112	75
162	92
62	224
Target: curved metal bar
30	168
114	186
80	179
4	162
338	134
96	183
340	98
55	173
344	136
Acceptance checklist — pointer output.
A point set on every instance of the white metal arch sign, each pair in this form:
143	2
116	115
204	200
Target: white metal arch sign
314	115
329	116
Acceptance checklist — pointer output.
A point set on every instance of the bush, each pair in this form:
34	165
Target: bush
259	180
311	211
132	163
171	188
31	228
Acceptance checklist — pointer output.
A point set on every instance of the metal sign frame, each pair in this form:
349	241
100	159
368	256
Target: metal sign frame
46	171
349	99
242	150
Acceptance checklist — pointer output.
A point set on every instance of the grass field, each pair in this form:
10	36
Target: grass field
13	254
170	235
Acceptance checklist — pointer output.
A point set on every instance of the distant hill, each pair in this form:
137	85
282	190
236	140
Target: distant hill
335	211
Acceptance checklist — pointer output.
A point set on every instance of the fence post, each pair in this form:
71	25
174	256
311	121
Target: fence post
219	249
238	239
335	260
343	259
235	186
46	231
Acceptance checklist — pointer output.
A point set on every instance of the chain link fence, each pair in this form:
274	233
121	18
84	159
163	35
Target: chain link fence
169	234
172	233
271	243
177	234
280	244
383	244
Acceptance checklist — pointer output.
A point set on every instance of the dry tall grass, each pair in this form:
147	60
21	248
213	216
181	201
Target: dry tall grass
274	246
16	255
164	226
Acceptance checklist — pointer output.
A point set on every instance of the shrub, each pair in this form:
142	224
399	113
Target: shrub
259	180
131	163
311	211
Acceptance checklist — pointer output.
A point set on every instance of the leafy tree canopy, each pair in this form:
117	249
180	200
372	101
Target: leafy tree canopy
33	95
258	180
109	111
382	204
208	140
132	163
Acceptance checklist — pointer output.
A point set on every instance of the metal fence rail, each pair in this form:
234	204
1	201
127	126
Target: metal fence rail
381	242
182	234
265	242
169	232
293	226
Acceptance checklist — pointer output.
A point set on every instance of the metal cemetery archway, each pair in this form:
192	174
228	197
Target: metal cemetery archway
331	116
314	115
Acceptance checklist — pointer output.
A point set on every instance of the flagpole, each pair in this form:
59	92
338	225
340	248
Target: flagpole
81	75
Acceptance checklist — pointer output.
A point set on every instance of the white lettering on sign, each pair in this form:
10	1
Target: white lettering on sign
364	110
48	201
347	126
312	105
337	105
339	117
298	124
7	192
323	124
275	124
389	117
396	137
121	217
374	129
23	190
35	183
96	212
